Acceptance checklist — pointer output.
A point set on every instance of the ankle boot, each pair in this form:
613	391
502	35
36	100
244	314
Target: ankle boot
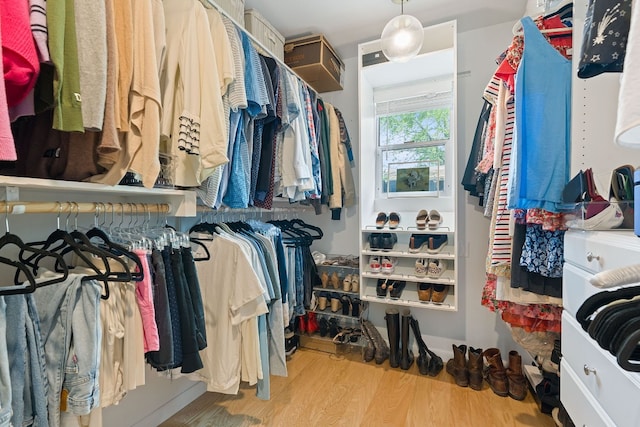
407	355
382	349
517	381
302	324
312	323
457	367
393	330
496	375
475	367
423	356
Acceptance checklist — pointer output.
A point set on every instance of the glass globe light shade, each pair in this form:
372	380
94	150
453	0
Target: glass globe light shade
402	38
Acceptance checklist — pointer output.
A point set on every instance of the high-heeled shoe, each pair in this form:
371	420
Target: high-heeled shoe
335	302
346	283
346	304
324	278
312	323
355	283
335	280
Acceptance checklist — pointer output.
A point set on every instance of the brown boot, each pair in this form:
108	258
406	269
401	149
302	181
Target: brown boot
475	367
457	367
495	374
517	381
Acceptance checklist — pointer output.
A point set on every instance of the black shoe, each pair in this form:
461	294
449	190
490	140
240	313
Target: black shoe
374	241
291	343
396	288
388	241
346	304
323	326
355	307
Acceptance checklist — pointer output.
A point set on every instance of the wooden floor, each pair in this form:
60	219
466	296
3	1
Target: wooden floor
325	390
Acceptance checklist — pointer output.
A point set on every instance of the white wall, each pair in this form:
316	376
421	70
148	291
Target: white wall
472	324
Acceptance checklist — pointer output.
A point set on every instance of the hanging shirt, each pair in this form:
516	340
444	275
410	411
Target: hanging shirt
627	131
543	124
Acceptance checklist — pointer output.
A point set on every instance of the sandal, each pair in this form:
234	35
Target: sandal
394	220
381	220
435	219
335	280
324	278
421	219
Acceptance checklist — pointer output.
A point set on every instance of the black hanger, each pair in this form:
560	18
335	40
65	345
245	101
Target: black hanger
305	225
117	250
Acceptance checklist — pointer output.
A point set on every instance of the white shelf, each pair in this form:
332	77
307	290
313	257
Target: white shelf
408	274
328	313
446	253
339	290
410	298
16	189
407	230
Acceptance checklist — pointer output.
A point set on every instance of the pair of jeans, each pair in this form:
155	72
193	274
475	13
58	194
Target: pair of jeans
163	358
196	296
70	329
191	360
5	379
299	275
176	327
29	386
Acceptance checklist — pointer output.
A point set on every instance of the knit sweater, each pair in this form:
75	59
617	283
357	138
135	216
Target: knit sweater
7	148
19	56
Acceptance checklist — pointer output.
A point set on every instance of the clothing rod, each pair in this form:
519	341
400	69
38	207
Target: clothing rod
256	41
223	210
17	208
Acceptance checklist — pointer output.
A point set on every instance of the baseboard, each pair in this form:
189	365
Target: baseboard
170	408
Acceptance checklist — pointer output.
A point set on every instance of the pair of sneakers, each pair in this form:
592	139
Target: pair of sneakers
384	264
431	267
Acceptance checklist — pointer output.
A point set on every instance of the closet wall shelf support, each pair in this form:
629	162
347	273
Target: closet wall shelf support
17	189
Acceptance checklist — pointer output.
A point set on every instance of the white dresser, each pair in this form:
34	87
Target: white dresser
593	388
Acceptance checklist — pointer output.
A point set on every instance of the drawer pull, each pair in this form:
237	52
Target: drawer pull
591	257
588	370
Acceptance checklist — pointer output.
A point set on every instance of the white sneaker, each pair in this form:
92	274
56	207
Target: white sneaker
388	265
374	264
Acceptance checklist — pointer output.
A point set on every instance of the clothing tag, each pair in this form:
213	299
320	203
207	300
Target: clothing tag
64	395
570	51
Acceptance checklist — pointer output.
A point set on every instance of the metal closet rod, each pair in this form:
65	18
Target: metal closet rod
256	41
16	208
224	210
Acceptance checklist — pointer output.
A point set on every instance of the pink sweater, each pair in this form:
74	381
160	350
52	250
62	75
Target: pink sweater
7	147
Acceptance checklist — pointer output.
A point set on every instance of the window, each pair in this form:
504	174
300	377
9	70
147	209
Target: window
413	135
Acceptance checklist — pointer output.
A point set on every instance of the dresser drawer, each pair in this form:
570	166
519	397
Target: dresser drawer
596	251
580	405
617	391
576	288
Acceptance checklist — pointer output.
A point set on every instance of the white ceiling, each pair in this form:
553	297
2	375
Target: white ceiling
346	23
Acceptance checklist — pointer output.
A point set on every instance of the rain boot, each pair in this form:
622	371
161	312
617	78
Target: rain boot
475	367
496	375
517	381
393	330
407	355
457	367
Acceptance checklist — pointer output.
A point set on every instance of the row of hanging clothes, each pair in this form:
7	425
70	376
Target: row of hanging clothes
86	310
518	167
255	277
105	97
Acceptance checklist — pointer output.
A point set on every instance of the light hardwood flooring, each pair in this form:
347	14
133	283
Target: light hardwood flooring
325	390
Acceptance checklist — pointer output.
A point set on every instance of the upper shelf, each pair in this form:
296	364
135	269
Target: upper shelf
16	189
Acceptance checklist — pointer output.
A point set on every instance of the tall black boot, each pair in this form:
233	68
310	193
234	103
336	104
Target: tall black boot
423	356
407	355
393	330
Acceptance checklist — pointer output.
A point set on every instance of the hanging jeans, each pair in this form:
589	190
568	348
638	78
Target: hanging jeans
173	309
29	384
162	359
5	381
70	328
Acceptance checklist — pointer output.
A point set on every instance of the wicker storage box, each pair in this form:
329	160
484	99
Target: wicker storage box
262	30
235	9
314	60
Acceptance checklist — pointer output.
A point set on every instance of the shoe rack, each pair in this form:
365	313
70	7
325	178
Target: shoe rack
410	267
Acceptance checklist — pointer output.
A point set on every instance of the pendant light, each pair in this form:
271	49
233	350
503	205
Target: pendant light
402	37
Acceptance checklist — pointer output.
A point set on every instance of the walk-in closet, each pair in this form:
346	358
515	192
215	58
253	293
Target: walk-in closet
364	213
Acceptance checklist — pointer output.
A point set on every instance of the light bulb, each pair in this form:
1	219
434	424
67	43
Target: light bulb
402	38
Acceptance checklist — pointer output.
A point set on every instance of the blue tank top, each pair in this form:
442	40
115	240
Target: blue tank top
543	124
